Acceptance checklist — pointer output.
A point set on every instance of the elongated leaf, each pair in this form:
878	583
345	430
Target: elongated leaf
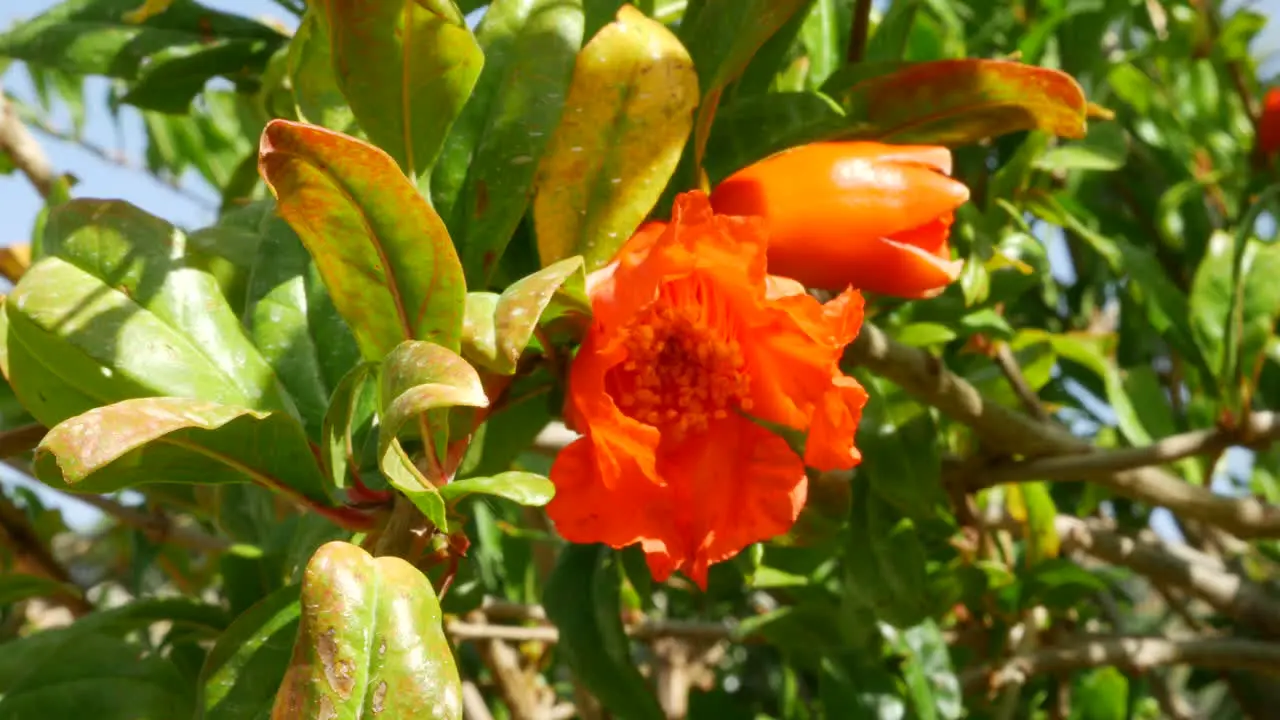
406	69
884	562
722	37
582	599
371	643
104	673
293	322
499	328
317	98
247	664
956	102
625	122
1088	353
889	41
91	37
348	422
902	464
15	587
422	381
931	682
523	488
752	128
484	180
171	78
179	440
1031	505
383	253
1260	305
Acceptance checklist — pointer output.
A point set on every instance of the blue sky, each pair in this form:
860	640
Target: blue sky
19	202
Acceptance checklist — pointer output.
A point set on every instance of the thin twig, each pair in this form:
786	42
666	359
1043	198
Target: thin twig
27	155
648	630
159	527
1013	372
1131	654
1179	566
1260	429
34	557
923	376
21	439
112	157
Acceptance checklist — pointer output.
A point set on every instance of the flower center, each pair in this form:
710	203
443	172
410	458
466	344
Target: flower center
681	372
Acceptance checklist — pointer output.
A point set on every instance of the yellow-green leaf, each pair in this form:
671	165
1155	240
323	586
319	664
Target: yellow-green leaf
626	120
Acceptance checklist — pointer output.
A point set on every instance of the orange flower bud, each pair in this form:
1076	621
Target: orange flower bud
865	214
1269	123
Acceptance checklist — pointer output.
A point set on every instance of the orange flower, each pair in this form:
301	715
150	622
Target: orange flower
854	213
691	344
1269	123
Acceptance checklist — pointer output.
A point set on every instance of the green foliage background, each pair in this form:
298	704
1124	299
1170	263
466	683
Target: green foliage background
1024	425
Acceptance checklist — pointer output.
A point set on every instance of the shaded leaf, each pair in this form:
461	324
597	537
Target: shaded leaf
484	180
294	323
15	587
625	121
317	98
383	253
582	600
348	421
245	667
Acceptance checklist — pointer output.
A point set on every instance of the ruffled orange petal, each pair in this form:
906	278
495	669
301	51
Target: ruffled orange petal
732	486
585	509
835	422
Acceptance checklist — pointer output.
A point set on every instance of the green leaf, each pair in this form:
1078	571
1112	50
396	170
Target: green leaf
889	41
173	77
582	600
625	122
1212	292
70	337
499	328
1105	148
293	322
1031	505
371	643
885	561
931	681
348	422
179	440
422	381
91	37
406	69
317	98
484	180
523	488
1102	694
1260	305
245	667
722	37
24	657
902	465
958	102
15	587
752	128
1089	353
100	672
924	334
383	253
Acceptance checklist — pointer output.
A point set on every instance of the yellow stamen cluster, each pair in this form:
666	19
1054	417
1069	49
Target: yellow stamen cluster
680	373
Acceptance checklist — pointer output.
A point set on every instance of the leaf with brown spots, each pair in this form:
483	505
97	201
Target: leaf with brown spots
383	253
371	643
